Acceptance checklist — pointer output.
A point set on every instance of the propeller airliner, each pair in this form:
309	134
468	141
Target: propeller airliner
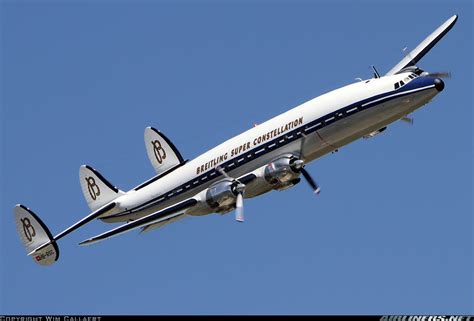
269	156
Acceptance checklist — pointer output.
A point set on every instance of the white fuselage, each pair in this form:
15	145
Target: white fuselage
326	122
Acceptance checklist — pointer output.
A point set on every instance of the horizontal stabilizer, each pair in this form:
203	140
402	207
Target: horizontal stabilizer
96	214
161	151
147	220
34	234
426	45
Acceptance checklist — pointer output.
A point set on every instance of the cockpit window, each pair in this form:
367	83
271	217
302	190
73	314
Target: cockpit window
406	80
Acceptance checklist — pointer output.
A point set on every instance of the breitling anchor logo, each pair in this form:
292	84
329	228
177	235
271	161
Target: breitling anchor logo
93	188
158	150
28	229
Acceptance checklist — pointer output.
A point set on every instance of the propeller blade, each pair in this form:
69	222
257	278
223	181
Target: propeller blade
441	74
239	208
239	189
222	172
310	181
438	74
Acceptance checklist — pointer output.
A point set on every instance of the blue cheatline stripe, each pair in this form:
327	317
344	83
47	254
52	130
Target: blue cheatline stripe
290	137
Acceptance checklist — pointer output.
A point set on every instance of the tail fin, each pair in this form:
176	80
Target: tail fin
36	237
96	189
161	151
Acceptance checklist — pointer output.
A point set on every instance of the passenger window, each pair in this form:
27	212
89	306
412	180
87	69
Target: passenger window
397	85
402	83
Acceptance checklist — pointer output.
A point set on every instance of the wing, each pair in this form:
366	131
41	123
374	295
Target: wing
161	151
158	217
422	49
170	219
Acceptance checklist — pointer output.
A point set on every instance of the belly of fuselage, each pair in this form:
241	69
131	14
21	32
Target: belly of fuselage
353	127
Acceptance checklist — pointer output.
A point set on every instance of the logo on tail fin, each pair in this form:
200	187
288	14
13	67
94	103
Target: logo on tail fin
94	190
158	150
28	229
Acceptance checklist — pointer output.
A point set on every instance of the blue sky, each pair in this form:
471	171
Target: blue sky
390	233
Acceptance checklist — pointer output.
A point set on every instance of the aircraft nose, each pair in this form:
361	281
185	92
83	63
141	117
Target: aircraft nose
439	84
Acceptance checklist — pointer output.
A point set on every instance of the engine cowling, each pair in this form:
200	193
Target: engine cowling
222	194
220	197
283	172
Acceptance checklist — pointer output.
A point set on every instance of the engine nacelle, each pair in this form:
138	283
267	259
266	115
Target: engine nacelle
222	194
282	173
217	198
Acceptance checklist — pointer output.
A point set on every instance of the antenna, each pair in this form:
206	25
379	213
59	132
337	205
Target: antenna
376	73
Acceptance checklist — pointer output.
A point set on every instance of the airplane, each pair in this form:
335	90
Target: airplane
269	156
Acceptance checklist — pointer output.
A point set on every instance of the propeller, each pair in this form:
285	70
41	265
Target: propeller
438	74
239	189
311	181
298	166
239	208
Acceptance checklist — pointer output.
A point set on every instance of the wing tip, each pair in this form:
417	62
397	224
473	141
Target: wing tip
86	242
453	19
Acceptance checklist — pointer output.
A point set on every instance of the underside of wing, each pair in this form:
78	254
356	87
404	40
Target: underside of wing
155	218
426	45
170	219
